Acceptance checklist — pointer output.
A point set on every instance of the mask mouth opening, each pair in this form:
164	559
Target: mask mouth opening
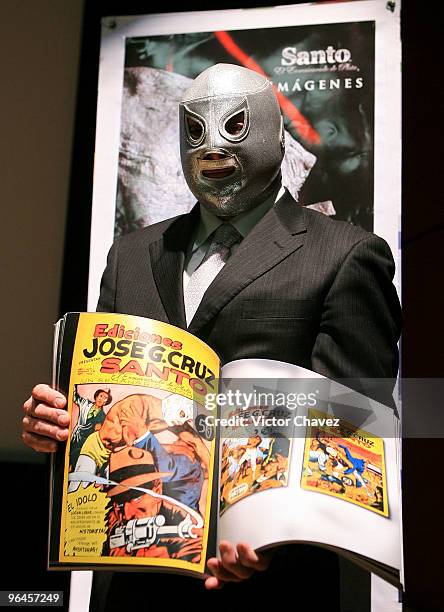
218	173
217	165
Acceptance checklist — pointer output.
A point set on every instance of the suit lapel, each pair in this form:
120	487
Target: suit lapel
280	232
167	256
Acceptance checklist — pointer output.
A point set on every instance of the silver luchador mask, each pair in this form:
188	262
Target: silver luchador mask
231	139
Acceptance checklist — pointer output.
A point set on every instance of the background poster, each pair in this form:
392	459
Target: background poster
335	72
324	79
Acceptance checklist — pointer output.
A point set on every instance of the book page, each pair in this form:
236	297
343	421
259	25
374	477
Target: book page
339	485
138	467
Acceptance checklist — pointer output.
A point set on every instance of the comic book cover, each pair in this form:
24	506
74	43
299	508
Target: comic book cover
137	474
256	457
345	462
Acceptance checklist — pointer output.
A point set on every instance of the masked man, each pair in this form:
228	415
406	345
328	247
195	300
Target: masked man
287	282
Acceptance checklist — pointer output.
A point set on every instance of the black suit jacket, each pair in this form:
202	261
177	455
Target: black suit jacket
300	288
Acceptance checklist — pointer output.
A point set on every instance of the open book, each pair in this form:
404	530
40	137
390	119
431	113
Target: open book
168	454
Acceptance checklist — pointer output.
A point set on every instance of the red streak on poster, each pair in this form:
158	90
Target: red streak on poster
299	122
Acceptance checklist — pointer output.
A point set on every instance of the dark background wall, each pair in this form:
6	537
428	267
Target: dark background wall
39	50
44	167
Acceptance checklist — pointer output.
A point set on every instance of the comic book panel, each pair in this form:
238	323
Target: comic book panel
138	477
346	463
251	465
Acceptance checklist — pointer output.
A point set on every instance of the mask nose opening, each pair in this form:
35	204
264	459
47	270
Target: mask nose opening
216	155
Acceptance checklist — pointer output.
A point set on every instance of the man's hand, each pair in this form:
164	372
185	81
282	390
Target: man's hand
45	422
235	564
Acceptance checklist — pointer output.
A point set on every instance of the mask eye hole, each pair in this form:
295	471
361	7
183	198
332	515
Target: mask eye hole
195	128
235	124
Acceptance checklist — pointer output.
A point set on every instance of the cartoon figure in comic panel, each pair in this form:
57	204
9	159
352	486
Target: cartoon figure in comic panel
275	467
142	520
316	455
261	463
230	463
251	458
356	467
138	420
91	417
